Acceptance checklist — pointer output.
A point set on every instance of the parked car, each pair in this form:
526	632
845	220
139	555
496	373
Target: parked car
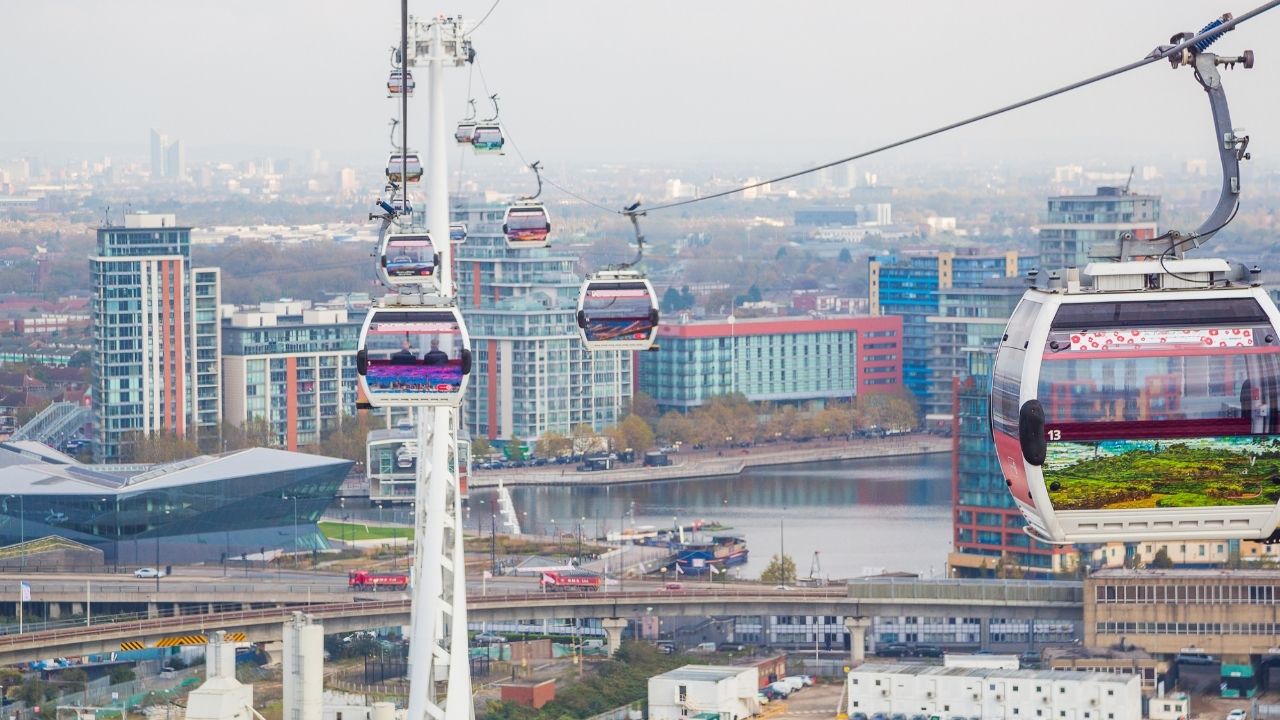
1237	714
673	586
929	651
489	638
147	573
1194	657
666	647
795	682
706	647
894	650
731	647
770	693
762	699
781	688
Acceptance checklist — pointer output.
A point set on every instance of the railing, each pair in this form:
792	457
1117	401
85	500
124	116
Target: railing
54	424
984	591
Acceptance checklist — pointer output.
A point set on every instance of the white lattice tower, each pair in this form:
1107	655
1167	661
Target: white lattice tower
438	655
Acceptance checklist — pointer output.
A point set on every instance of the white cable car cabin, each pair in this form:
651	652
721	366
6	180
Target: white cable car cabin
405	455
487	139
617	310
408	169
465	133
408	259
1146	407
526	225
458	233
400	81
413	356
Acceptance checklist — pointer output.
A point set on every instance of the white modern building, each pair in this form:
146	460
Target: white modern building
992	694
719	691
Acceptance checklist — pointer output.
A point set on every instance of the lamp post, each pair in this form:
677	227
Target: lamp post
158	573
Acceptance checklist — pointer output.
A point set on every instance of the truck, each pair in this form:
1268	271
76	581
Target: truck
569	581
365	580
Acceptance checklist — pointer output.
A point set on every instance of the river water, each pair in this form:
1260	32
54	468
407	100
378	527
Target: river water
862	516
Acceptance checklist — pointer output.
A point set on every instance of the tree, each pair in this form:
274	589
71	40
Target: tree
643	404
254	432
675	427
1161	560
515	448
635	433
584	438
121	674
349	439
780	569
157	447
671	301
480	447
846	257
782	253
552	444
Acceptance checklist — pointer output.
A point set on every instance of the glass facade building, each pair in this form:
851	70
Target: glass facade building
206	509
968	320
1077	223
155	347
530	371
293	367
909	286
776	359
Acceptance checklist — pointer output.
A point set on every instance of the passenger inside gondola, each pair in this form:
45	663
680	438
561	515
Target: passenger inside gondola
435	356
416	357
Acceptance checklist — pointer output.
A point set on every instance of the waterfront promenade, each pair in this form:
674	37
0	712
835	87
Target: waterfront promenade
717	463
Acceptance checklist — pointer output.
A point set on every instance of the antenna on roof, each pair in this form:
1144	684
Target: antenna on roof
1128	182
106	216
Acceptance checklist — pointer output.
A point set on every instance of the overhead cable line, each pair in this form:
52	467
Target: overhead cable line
476	27
1162	52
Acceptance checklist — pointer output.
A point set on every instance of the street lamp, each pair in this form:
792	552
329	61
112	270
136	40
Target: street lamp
158	573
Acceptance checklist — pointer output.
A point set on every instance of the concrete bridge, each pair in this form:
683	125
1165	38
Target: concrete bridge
985	600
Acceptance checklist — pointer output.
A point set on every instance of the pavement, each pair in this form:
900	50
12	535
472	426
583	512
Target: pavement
818	701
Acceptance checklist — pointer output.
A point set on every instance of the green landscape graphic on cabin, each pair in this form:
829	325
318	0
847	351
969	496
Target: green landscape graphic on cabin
1197	472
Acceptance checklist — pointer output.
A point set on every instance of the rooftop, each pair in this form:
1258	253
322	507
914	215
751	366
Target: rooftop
1186	574
43	471
703	673
983	673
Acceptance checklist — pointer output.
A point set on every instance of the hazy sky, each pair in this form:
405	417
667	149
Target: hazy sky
596	81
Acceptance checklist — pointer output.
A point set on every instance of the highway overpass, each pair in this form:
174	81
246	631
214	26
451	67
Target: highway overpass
984	600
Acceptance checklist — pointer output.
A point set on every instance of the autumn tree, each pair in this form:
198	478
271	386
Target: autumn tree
552	444
780	569
254	432
897	411
632	433
349	439
158	447
642	404
675	427
481	448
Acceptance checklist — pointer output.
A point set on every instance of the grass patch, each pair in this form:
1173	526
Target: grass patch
357	531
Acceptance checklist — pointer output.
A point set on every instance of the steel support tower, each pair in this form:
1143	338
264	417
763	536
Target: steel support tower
440	680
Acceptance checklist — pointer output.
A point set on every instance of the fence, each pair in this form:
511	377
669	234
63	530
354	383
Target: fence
634	711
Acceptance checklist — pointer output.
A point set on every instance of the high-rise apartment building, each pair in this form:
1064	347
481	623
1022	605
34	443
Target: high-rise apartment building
292	366
909	286
530	371
1078	224
790	360
168	159
152	338
968	320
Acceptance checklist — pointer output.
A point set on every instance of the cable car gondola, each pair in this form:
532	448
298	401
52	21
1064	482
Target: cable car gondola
466	131
458	233
487	139
1140	399
1141	415
526	225
407	259
413	355
617	310
408	169
400	81
405	455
